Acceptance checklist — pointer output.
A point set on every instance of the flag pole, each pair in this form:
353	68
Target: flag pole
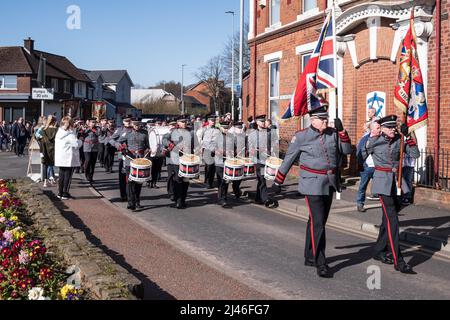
338	173
402	137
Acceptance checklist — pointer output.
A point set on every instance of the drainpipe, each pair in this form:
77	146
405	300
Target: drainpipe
437	91
255	4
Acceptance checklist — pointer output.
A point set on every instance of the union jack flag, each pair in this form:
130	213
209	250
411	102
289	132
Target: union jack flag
318	76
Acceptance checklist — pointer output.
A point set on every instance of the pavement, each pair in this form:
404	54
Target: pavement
249	251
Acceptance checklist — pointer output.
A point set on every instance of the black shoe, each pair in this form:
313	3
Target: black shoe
271	203
67	195
238	195
172	198
361	208
403	267
179	204
155	186
323	271
309	263
124	199
384	258
131	207
138	205
259	202
225	205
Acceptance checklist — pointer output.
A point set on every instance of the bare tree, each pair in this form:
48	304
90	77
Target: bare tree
169	86
212	75
227	56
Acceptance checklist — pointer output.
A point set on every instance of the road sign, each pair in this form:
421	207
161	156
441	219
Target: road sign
42	94
238	91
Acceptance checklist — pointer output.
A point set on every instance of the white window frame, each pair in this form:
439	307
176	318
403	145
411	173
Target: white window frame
274	98
316	8
270	13
3	81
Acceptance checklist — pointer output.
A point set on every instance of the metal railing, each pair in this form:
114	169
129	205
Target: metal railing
424	170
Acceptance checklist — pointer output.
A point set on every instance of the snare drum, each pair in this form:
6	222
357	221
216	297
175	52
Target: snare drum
233	169
249	168
271	169
140	170
189	166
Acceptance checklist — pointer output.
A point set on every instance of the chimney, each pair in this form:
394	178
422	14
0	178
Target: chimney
29	45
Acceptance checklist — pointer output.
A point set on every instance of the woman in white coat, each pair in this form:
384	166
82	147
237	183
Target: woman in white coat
67	156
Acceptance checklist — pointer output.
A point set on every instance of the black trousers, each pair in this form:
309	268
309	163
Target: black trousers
180	187
236	187
82	159
172	170
101	153
389	236
222	185
21	143
210	171
109	157
65	179
315	244
122	180
133	191
89	164
157	163
261	188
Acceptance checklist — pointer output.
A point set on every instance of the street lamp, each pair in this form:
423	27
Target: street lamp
232	65
182	88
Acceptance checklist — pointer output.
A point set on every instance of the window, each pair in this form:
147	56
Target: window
66	86
55	85
79	87
274	89
305	59
274	12
309	5
8	82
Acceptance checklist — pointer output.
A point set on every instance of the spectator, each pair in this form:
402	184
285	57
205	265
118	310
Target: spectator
408	174
21	135
368	167
3	137
48	150
372	116
67	156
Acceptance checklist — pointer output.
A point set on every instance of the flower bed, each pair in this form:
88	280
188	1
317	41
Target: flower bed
26	269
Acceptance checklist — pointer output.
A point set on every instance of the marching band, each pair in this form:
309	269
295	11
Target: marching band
233	154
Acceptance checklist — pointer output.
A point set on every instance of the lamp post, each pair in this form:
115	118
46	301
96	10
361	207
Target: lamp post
182	88
232	64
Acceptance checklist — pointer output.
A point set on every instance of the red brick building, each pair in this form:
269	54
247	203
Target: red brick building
369	34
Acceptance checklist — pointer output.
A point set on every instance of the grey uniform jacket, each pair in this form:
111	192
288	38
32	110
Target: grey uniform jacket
102	136
209	137
316	152
114	140
386	155
183	143
225	148
137	143
91	142
262	144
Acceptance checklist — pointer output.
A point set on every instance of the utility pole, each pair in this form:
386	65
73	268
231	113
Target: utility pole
232	65
241	59
182	89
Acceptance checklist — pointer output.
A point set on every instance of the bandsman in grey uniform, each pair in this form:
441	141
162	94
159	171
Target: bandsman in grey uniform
240	143
385	151
122	132
318	150
172	168
134	145
183	141
210	133
101	142
262	144
90	148
225	148
110	150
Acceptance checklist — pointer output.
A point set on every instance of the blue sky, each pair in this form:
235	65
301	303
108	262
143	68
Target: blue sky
149	38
